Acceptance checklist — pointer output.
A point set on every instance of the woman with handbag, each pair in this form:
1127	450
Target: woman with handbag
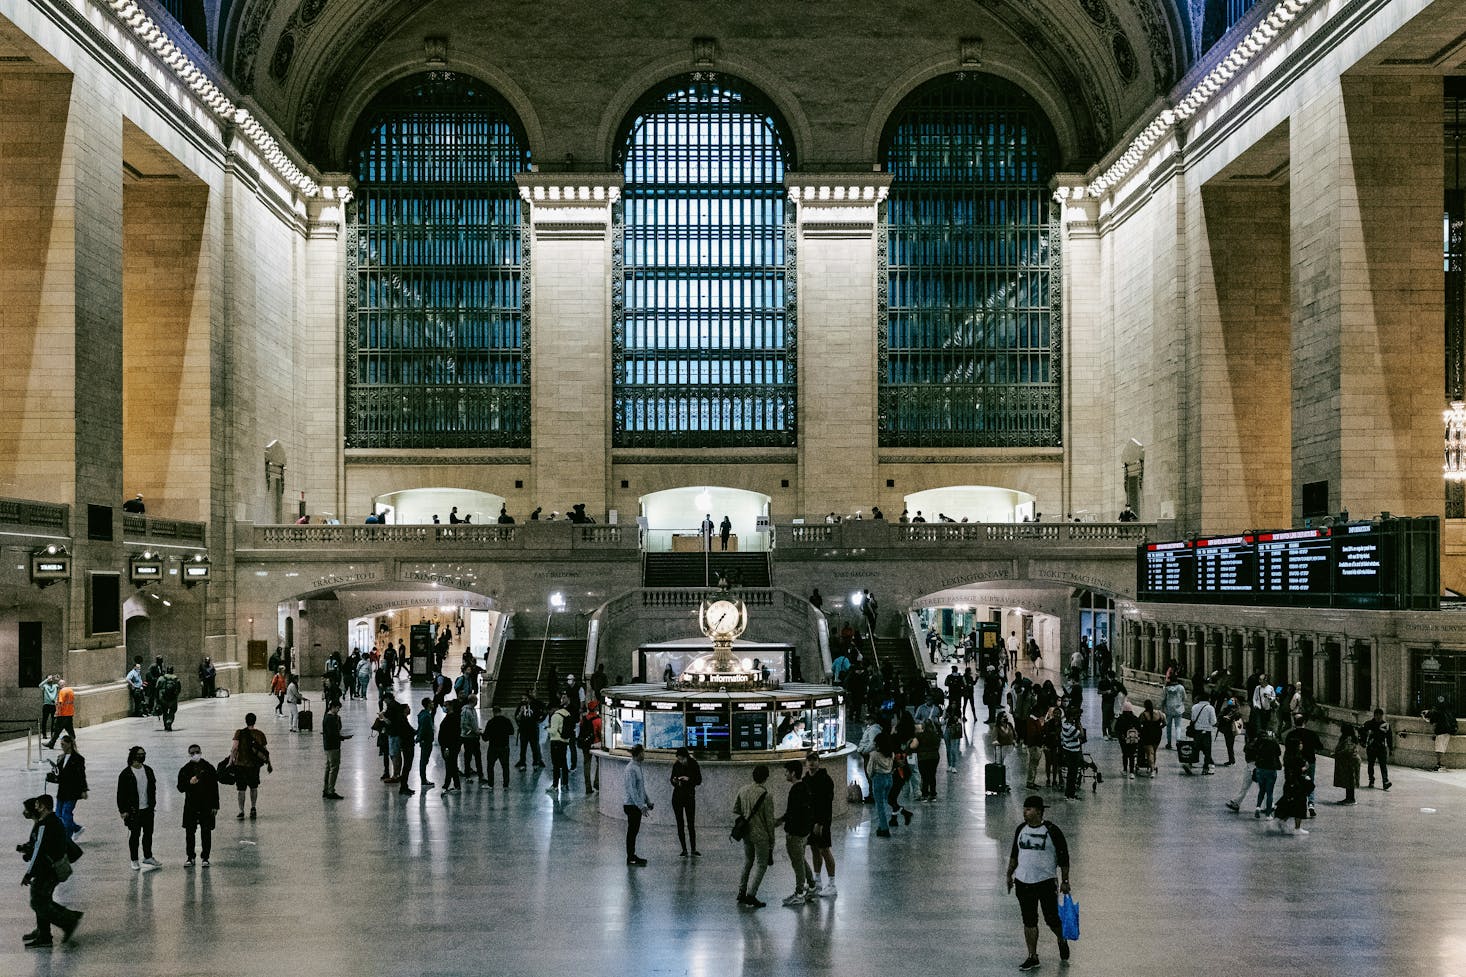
137	802
753	814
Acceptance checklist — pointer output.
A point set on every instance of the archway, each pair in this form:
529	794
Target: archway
970	503
674	517
426	505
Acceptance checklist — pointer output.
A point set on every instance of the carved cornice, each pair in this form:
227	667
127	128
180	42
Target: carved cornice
568	190
837	190
357	459
1057	457
719	458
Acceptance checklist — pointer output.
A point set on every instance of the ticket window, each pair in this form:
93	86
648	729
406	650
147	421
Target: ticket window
795	729
827	724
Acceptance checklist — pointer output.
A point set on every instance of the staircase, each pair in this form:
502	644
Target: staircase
522	658
686	569
896	652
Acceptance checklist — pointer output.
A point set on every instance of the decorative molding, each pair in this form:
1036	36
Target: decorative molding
838	190
1054	458
590	190
969	52
154	39
356	458
704	52
711	457
435	51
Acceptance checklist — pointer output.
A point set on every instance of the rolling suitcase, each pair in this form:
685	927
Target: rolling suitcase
995	778
305	721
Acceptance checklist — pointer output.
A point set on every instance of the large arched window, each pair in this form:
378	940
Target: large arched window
970	356
703	324
437	349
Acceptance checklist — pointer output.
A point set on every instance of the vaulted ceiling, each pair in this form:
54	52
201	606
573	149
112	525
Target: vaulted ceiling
836	67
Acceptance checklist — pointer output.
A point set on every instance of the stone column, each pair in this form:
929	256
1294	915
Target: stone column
1093	477
839	332
568	300
1366	183
319	346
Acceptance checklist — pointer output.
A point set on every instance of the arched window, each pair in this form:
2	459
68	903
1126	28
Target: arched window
970	356
703	325
436	346
190	14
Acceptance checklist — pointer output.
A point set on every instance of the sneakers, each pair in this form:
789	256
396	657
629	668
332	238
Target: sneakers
829	891
135	866
1300	831
810	895
77	833
66	931
188	864
1031	963
1387	787
205	863
754	902
1311	812
637	861
1234	807
150	860
1063	951
797	899
252	814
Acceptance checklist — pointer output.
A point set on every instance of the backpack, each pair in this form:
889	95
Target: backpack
1132	736
587	737
567	727
854	794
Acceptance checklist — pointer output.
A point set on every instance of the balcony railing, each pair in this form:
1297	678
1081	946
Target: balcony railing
38	515
522	536
147	527
872	533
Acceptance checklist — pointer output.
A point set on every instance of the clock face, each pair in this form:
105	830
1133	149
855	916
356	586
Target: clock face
723	617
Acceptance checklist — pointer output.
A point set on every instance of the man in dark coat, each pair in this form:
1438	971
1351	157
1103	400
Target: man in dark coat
199	785
48	844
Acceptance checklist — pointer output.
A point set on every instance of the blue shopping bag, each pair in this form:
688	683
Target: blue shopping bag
1069	916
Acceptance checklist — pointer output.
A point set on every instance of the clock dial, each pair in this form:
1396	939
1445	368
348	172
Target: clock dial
723	617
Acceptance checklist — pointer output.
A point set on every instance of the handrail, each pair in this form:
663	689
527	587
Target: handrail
30	726
495	654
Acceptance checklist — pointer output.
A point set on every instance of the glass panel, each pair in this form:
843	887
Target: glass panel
703	330
437	352
970	356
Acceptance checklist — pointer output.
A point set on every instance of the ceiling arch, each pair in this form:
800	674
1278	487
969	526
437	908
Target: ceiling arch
1097	65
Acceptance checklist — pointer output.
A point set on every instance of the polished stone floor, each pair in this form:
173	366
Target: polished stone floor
519	883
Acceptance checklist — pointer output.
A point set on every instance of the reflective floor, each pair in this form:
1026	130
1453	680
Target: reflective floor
517	882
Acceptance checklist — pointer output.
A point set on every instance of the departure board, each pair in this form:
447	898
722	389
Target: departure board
750	729
1225	564
1359	564
1387	564
1297	561
1169	569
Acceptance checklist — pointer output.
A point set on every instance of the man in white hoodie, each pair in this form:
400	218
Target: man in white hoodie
1264	698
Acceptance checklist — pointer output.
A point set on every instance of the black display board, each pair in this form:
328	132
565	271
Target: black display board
1384	565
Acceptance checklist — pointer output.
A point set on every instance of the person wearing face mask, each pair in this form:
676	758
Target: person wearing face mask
137	802
199	785
47	846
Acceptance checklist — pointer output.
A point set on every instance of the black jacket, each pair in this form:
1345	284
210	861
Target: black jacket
497	732
127	799
202	797
72	778
799	813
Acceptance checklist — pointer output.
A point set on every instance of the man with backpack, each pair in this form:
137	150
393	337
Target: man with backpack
562	733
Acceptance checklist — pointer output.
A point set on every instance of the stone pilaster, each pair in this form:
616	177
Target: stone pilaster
837	219
1093	478
320	349
570	286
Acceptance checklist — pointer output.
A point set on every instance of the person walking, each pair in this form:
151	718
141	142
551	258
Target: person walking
1151	725
50	685
137	803
1379	743
47	847
1346	762
199	785
882	776
278	684
1264	703
635	803
331	737
928	757
1038	858
1203	728
247	753
450	744
1298	786
1229	724
1174	705
562	732
1127	730
686	778
498	731
1442	726
588	737
821	843
64	722
468	734
756	807
423	736
1269	758
71	785
527	720
170	689
1072	737
797	819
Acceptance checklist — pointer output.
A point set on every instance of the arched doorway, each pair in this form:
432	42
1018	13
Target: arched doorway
674	517
426	505
970	503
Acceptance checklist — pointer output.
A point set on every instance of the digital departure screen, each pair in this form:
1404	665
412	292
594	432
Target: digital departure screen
750	729
1392	563
708	731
